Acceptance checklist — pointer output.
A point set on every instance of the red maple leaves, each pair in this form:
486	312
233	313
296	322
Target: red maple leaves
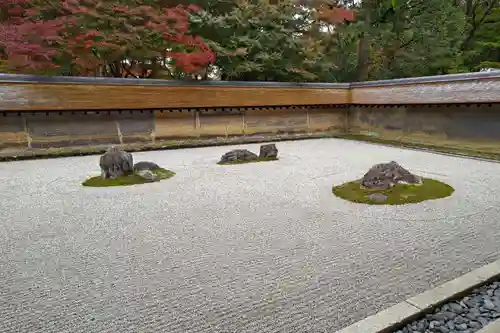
40	34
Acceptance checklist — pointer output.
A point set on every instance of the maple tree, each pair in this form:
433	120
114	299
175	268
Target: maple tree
86	35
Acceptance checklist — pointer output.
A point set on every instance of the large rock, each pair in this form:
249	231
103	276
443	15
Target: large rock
144	165
268	151
238	155
386	175
116	163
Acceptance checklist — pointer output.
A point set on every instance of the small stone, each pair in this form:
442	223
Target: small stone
456	308
471	316
483	321
489	304
439	317
461	327
445	308
477	299
377	197
448	315
490	292
443	329
460	320
496	293
487	314
475	324
434	324
470	303
422	325
475	312
451	325
146	174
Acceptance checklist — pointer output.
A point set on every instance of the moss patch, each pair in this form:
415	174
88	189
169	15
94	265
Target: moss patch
127	180
458	151
263	159
400	194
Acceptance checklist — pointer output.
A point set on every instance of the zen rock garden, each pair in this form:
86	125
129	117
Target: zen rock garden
268	152
383	184
118	169
391	184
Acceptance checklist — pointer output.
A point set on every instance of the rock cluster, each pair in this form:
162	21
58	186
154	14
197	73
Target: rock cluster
268	151
117	163
467	315
386	175
244	155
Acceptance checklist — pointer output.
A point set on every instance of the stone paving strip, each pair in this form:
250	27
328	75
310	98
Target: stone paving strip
466	314
252	248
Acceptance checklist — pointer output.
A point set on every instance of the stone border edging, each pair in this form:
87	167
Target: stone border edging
493	327
397	316
211	142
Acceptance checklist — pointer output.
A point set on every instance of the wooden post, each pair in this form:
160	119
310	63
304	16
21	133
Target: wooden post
27	132
120	136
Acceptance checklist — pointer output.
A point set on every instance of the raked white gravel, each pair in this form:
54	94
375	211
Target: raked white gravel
255	248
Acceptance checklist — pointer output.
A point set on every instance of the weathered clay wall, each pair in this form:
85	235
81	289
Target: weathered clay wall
249	121
464	126
43	130
54	129
38	112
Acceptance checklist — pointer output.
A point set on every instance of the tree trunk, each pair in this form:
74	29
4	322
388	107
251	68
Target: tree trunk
363	66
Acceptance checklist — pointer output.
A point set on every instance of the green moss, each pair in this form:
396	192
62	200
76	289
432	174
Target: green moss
260	159
398	195
127	180
426	146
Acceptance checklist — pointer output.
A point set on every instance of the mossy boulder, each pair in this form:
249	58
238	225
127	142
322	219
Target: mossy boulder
116	163
399	194
131	179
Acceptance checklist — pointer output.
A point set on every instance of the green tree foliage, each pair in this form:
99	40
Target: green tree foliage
273	40
407	38
485	50
256	41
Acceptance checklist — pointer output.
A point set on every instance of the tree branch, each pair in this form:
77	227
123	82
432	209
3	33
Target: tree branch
492	4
